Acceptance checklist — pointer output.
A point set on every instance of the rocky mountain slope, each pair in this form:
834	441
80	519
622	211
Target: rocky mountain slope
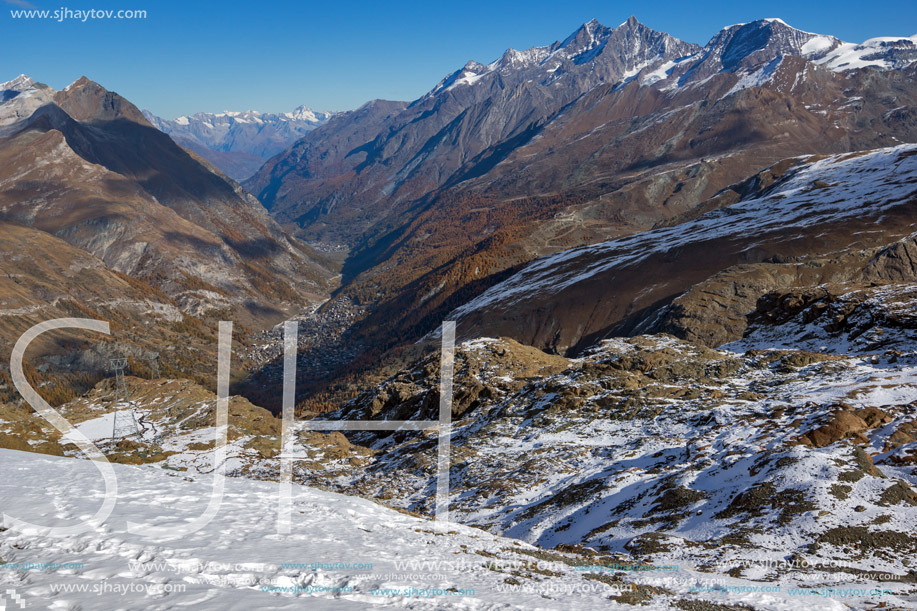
781	465
763	464
88	168
239	142
806	222
668	450
457	125
66	282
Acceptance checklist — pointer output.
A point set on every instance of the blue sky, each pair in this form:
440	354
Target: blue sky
195	56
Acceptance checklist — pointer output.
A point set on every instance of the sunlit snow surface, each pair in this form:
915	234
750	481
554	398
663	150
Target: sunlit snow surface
871	53
226	565
231	562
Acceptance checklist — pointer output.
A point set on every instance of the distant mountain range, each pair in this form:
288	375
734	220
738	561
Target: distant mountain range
239	142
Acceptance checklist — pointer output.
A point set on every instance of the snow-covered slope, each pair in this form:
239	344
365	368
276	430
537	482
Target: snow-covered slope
343	553
758	478
885	53
674	453
839	319
238	562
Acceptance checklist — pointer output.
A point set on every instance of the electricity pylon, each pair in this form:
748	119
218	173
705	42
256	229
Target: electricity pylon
125	421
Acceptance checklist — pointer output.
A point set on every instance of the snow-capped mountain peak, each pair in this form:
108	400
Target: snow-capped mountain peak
611	54
304	113
20	97
19	83
587	36
884	53
758	46
751	44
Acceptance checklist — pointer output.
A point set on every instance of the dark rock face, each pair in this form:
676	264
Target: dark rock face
88	102
719	310
852	317
842	424
751	45
897	263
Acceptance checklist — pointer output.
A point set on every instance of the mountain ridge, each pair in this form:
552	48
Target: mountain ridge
613	55
85	166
